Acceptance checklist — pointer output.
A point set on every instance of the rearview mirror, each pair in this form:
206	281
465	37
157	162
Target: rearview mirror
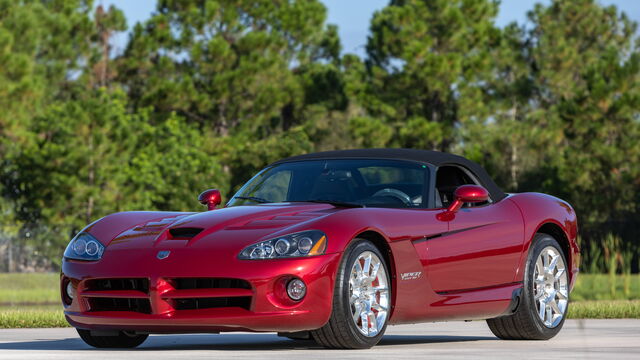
211	198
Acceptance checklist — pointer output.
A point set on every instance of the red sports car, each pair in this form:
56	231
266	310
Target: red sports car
331	246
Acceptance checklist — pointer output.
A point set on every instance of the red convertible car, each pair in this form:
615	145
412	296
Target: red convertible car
330	246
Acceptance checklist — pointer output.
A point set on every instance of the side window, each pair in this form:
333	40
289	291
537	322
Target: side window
448	178
276	188
393	183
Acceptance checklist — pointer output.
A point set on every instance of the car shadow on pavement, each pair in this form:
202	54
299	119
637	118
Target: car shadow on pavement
228	342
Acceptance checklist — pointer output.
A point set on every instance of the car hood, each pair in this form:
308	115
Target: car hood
231	228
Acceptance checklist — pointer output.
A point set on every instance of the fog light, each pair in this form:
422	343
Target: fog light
71	292
296	289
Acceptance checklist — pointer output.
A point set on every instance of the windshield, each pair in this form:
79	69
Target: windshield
370	183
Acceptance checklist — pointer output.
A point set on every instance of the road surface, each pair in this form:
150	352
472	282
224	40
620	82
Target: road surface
580	339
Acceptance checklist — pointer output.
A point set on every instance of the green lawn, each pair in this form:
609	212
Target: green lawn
595	297
605	309
30	288
606	287
32	317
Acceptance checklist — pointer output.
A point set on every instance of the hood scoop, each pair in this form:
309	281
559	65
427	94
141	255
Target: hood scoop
183	233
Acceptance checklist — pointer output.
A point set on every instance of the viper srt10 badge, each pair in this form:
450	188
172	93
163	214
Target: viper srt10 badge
410	275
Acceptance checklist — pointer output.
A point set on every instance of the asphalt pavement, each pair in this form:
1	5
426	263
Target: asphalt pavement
580	339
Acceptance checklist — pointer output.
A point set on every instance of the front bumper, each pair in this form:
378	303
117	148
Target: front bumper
268	307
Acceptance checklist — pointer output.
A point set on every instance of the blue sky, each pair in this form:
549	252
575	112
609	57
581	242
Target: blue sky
352	16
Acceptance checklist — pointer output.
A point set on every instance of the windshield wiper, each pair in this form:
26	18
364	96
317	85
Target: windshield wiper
332	202
253	198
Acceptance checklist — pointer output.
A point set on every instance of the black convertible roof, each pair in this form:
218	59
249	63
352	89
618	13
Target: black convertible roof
435	158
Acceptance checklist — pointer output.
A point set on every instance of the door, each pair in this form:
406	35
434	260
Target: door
482	246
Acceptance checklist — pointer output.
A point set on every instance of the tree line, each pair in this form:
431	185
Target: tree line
206	92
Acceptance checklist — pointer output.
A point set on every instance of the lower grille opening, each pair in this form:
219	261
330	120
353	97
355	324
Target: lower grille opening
120	304
139	284
211	303
210	283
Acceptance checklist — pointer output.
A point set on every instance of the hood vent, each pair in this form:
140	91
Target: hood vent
184	233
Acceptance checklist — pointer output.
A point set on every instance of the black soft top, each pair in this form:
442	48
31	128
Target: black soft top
435	158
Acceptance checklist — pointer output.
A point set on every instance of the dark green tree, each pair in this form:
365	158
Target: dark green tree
425	58
586	69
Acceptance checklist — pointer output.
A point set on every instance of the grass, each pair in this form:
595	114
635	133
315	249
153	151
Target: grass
605	309
29	288
52	316
606	287
32	317
595	296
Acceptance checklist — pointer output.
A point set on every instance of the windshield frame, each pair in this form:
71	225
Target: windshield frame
428	184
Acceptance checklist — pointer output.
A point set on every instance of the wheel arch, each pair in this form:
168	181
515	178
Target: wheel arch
543	213
554	230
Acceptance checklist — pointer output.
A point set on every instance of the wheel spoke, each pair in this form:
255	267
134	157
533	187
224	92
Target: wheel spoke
378	307
554	306
543	306
539	267
563	294
358	268
373	323
366	268
357	312
559	274
553	263
365	322
374	271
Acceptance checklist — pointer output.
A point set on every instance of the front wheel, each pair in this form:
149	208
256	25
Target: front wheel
361	300
545	297
121	340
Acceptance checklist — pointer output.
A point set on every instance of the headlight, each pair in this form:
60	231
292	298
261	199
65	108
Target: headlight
306	243
84	247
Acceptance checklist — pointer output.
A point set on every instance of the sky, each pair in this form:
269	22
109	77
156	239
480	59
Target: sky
352	16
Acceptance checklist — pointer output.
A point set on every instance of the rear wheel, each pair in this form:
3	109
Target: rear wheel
121	340
361	300
545	296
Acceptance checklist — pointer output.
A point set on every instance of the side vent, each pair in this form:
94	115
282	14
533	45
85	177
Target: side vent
185	233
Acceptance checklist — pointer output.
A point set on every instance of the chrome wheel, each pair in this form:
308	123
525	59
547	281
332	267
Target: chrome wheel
368	294
550	287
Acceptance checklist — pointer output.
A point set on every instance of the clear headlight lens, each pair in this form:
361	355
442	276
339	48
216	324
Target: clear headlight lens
84	247
306	243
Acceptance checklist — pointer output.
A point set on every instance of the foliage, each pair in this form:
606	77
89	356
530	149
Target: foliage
207	92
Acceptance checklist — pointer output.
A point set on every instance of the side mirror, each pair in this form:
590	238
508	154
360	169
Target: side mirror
211	198
467	194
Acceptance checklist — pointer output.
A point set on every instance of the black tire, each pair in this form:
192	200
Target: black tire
122	340
340	332
524	323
